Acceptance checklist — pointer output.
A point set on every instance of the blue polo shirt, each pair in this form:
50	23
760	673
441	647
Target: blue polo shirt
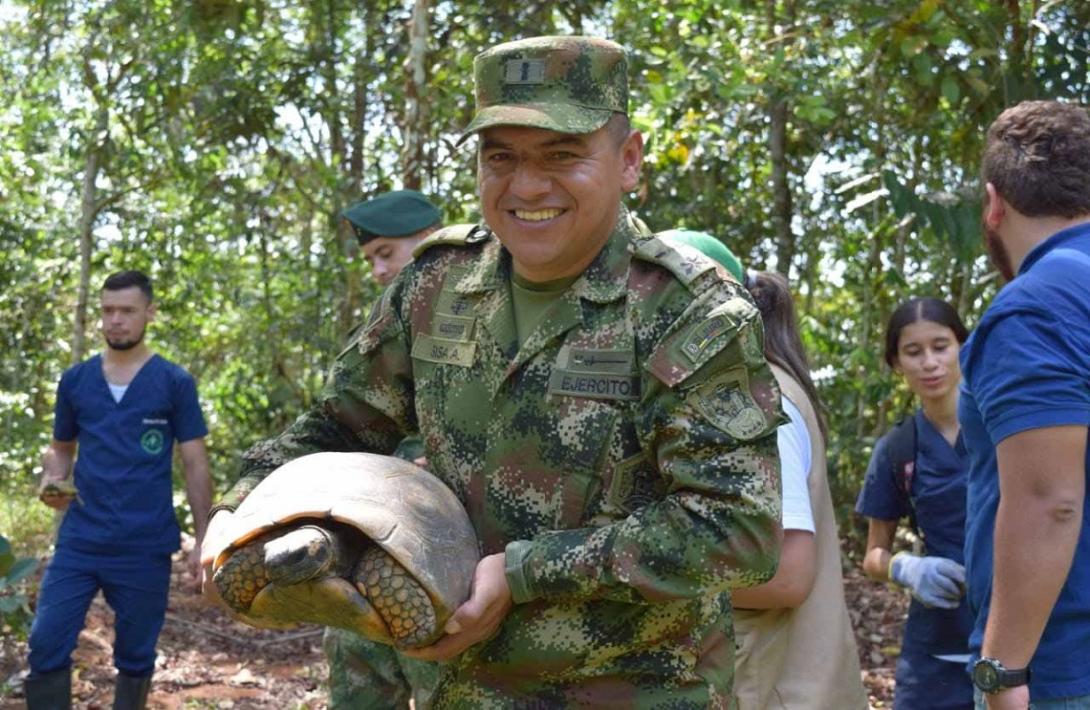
1027	366
938	495
124	459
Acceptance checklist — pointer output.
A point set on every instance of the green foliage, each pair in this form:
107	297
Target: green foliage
227	135
15	614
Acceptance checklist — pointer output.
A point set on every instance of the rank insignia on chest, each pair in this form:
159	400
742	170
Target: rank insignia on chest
453	327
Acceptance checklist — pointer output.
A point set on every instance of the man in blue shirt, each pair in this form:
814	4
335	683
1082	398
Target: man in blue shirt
1025	409
123	410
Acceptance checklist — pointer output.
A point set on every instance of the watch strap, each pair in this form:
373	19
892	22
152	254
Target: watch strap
1001	677
1013	678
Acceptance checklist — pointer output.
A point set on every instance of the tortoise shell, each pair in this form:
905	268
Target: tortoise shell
405	511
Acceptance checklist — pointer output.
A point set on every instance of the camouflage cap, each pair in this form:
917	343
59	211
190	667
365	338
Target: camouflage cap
565	84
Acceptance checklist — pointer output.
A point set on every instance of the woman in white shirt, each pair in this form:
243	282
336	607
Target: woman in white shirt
795	646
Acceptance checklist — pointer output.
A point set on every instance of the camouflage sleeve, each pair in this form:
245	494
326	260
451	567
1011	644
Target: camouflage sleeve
709	423
365	405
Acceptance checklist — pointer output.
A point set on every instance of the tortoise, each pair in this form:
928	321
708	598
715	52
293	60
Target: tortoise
366	542
60	489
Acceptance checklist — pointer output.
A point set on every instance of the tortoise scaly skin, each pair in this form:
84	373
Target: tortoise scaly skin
242	576
401	602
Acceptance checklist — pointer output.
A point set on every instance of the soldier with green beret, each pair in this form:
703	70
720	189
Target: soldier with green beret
389	227
365	674
597	399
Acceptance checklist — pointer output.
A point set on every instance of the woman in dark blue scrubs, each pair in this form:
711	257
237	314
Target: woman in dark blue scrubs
918	472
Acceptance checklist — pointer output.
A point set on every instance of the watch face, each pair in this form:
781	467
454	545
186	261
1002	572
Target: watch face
986	676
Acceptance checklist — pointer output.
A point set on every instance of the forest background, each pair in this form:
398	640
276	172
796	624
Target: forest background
213	144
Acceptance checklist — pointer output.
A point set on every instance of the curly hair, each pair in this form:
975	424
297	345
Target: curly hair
1037	155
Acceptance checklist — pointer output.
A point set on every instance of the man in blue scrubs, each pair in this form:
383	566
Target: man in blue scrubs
1024	411
123	411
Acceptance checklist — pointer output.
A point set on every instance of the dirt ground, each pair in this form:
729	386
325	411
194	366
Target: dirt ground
206	660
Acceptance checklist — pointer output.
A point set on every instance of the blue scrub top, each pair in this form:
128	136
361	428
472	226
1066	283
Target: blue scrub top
1027	366
938	493
124	459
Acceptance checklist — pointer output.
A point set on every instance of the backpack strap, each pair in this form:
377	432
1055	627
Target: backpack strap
901	444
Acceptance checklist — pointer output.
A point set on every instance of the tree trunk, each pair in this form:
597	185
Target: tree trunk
88	213
358	130
414	123
779	115
964	298
1016	82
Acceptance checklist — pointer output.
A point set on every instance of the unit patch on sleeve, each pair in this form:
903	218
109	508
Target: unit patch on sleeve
728	403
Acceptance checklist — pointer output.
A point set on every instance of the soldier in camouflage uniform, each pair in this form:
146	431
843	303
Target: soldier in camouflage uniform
365	674
597	400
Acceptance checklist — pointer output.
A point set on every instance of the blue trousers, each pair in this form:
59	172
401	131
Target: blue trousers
135	587
1081	702
926	683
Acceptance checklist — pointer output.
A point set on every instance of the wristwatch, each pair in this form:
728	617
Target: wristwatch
990	676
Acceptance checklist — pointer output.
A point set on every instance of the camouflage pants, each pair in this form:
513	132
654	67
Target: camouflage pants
366	674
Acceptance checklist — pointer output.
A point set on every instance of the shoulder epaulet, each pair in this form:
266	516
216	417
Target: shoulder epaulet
687	266
454	235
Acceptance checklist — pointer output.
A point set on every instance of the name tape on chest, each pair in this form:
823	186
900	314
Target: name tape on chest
599	374
596	386
444	351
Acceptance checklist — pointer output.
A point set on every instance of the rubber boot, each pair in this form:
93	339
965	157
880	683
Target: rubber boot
49	691
131	691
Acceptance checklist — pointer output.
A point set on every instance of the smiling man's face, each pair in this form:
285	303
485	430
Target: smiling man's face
553	198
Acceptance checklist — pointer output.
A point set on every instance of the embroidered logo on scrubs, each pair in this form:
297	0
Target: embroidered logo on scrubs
152	441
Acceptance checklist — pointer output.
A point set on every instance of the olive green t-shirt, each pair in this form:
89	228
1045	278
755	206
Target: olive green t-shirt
532	300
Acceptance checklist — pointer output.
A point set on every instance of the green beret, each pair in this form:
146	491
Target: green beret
400	213
707	245
565	84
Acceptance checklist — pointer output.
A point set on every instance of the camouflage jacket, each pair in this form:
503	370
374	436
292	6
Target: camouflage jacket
624	457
